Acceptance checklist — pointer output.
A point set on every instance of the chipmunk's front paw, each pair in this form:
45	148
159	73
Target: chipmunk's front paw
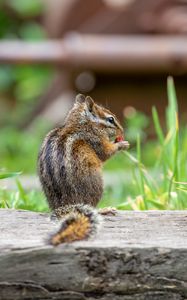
108	211
123	145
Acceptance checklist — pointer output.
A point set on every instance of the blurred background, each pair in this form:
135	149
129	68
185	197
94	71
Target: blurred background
120	52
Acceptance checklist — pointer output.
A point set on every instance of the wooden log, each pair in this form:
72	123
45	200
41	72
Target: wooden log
135	255
103	53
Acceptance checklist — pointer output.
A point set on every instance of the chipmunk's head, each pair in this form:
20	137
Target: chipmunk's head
102	119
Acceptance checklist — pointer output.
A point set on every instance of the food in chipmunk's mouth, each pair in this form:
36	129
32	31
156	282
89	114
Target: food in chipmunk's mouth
119	139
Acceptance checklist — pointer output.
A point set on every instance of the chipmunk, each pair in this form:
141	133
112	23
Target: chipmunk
70	163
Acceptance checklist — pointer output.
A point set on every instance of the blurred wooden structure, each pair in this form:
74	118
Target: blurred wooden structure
103	53
119	51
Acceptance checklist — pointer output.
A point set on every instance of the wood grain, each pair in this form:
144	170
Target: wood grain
135	255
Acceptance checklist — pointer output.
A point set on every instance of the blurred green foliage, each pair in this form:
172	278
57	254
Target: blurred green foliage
18	15
21	86
19	149
29	8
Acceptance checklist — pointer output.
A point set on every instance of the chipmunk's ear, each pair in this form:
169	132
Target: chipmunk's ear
89	103
80	98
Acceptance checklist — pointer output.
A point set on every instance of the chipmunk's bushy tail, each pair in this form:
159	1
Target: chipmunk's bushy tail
80	222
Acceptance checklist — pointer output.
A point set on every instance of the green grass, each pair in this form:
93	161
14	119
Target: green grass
19	198
151	175
164	185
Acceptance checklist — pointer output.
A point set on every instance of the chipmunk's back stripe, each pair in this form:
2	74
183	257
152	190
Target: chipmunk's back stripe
50	167
60	159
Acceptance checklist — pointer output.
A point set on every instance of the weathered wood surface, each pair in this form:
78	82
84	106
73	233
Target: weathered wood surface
135	255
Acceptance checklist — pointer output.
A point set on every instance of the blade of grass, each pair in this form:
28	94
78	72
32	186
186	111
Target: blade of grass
176	150
173	127
158	205
148	178
182	189
157	126
172	107
163	159
6	205
135	179
21	190
138	150
5	175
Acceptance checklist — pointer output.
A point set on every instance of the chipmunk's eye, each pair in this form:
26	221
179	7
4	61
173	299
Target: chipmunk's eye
110	120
